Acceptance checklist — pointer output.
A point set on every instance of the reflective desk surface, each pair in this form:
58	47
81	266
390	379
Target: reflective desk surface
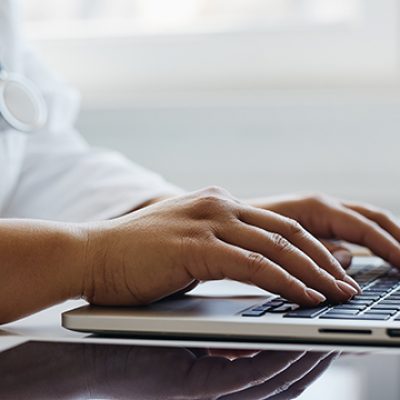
41	360
76	370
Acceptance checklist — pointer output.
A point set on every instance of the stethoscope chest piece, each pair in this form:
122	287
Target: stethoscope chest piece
22	106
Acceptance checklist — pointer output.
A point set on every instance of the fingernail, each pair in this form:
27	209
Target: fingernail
348	279
315	296
346	288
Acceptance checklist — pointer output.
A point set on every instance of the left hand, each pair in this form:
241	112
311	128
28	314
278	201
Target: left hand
329	218
83	370
146	372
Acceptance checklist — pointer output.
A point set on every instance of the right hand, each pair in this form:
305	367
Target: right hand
169	246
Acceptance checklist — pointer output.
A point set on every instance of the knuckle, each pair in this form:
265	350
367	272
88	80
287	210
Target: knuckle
339	274
319	199
282	388
255	262
209	200
294	227
219	192
213	189
210	205
280	243
321	273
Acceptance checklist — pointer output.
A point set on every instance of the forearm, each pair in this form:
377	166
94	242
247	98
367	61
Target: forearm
41	264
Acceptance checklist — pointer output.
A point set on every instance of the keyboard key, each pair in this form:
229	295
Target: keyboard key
252	313
370	291
371	315
280	299
362	317
381	292
389	302
350	307
367	297
306	312
384	307
393	297
386	312
342	312
283	308
273	303
387	279
360	302
384	285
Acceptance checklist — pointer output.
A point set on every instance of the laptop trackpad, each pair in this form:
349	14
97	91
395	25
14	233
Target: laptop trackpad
216	298
204	305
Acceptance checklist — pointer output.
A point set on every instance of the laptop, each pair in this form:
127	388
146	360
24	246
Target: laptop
231	311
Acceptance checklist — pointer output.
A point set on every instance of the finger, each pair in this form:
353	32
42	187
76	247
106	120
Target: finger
302	384
213	377
228	261
383	218
349	225
287	377
342	253
299	237
290	258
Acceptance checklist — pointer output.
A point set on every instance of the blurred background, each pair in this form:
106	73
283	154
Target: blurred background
258	96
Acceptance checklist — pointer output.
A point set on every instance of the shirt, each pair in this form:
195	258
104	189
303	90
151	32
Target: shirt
53	173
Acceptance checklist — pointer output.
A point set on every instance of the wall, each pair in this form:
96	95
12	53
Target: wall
340	141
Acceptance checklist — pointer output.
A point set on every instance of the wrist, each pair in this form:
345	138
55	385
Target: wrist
103	272
74	241
94	273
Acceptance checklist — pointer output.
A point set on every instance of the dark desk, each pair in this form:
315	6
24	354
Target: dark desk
93	370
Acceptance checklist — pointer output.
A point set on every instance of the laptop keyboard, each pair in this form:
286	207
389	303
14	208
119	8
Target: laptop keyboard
379	300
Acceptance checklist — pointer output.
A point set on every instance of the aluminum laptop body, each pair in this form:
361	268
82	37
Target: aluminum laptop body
231	311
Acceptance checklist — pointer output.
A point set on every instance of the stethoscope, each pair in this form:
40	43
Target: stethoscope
22	106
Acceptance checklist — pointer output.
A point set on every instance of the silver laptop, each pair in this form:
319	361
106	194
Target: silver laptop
233	311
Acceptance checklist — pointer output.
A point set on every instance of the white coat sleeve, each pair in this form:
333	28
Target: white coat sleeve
63	178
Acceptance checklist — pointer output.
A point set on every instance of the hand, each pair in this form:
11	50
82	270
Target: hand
208	235
147	372
79	370
329	218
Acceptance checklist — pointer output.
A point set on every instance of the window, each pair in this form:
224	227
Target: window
120	47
